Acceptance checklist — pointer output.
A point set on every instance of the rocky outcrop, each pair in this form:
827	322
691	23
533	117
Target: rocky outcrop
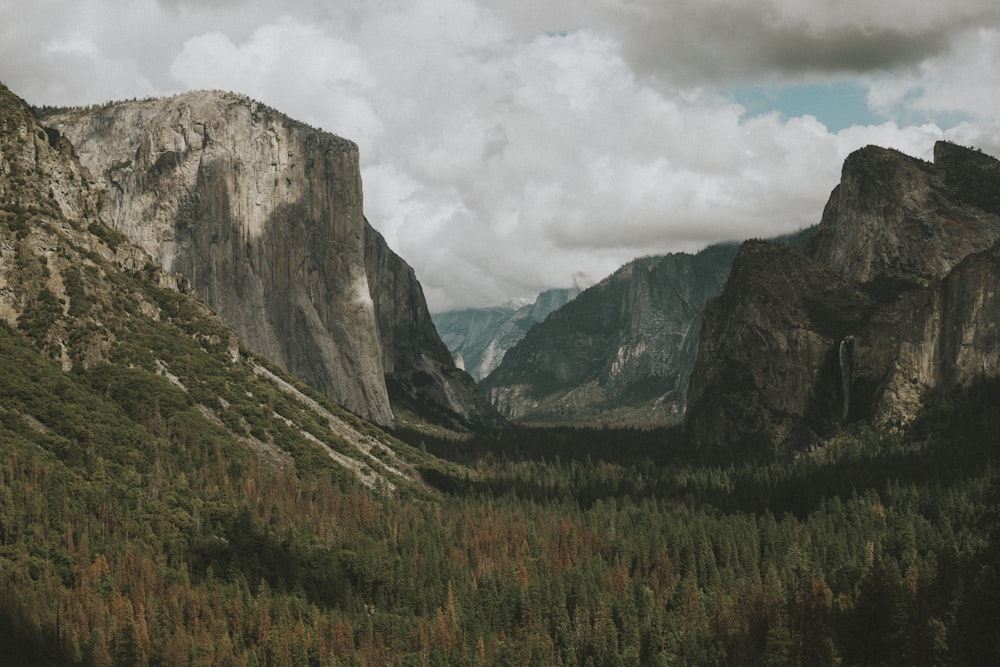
896	297
896	215
264	217
621	351
769	362
480	337
47	204
421	376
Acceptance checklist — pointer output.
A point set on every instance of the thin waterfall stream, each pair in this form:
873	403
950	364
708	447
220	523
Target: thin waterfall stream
846	363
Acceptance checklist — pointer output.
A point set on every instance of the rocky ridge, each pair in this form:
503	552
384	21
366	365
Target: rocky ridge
894	298
80	298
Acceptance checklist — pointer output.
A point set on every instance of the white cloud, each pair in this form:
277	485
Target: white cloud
295	68
507	146
965	80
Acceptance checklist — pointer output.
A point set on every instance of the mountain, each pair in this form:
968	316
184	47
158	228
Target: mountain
621	351
263	217
168	497
478	338
105	351
893	299
169	445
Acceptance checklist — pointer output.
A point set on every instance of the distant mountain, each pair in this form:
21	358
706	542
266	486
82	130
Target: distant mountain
895	298
621	351
478	338
263	217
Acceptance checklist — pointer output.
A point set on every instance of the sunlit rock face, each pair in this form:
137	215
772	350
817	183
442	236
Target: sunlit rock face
896	215
895	297
264	217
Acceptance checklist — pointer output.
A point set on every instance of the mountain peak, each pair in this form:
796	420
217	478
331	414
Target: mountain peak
264	217
895	215
621	351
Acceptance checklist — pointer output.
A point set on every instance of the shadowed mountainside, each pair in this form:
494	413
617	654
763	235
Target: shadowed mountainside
621	351
894	298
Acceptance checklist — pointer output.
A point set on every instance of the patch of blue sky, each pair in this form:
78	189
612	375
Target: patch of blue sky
838	104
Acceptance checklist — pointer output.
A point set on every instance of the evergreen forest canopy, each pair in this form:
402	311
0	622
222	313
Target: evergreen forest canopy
139	535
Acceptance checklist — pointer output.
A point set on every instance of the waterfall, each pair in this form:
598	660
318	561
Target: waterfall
845	374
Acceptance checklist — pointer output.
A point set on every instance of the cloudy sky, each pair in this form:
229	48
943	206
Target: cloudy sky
508	146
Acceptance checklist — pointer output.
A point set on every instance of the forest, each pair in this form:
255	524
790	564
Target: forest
133	534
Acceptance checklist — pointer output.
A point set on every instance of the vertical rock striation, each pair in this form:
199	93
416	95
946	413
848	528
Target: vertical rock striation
264	217
896	215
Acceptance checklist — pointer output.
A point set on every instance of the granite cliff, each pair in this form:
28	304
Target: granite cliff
421	377
480	337
894	298
107	361
620	351
264	218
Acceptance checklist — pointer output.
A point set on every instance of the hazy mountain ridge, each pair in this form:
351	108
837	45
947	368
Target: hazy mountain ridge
621	351
478	338
894	299
263	215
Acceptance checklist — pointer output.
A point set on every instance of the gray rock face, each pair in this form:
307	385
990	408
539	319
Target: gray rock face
896	215
40	180
87	298
264	217
768	368
896	298
621	351
480	337
419	371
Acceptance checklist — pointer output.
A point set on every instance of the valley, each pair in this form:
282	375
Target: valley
231	434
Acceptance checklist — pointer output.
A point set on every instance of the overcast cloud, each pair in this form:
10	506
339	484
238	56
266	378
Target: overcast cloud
510	145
